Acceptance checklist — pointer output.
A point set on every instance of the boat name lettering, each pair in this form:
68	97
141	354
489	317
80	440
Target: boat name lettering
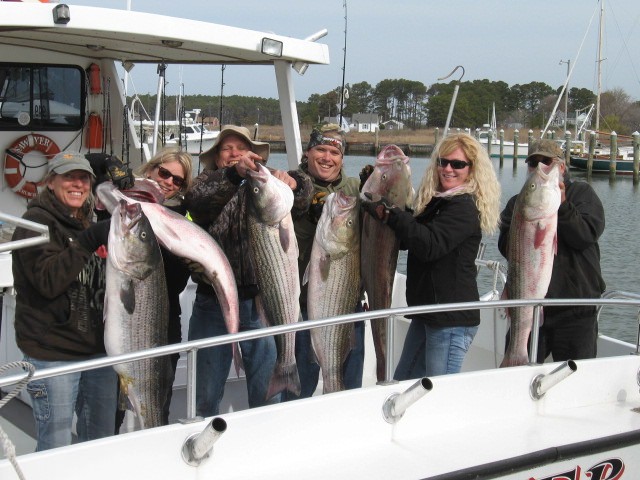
611	469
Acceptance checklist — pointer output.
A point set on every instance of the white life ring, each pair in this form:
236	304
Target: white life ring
15	169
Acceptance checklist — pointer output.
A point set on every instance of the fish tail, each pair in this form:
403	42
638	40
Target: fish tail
284	378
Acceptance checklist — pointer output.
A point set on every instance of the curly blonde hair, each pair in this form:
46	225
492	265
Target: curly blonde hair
171	154
482	182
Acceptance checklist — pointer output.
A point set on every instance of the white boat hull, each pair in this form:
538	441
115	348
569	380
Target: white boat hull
591	418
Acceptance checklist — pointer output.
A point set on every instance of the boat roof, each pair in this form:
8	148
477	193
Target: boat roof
138	37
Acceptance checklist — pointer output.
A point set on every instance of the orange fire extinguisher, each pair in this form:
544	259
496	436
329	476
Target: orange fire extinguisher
94	132
94	79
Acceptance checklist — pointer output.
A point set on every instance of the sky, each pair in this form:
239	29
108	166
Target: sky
514	41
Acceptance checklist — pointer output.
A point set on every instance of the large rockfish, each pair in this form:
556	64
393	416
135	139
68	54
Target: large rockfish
274	253
334	284
136	311
187	240
391	178
532	245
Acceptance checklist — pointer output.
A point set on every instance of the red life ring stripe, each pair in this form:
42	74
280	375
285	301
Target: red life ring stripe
15	169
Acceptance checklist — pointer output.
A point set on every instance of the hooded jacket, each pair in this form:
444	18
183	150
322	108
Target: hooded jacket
59	288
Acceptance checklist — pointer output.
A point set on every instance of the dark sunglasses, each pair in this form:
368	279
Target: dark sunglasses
178	181
455	164
533	163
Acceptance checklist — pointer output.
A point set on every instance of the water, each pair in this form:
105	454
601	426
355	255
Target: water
619	245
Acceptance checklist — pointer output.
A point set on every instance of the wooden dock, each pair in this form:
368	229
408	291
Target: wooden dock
358	148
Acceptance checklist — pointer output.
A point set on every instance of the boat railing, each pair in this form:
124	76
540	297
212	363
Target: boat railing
191	348
43	231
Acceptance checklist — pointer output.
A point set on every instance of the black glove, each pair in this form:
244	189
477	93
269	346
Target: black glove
365	173
377	206
110	168
96	235
317	204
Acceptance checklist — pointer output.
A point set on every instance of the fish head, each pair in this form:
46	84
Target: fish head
391	177
270	199
540	196
133	247
338	230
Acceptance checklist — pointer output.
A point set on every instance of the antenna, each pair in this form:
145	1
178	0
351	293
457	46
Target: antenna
221	90
344	63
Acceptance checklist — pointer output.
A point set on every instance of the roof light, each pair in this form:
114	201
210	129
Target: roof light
271	47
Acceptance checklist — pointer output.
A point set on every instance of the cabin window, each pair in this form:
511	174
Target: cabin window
41	97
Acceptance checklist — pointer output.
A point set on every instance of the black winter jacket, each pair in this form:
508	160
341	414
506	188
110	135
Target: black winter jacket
442	244
576	266
59	288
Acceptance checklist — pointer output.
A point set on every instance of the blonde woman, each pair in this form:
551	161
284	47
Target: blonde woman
458	201
172	169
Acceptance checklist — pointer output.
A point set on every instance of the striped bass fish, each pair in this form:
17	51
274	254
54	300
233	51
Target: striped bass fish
532	246
334	284
187	240
136	311
391	178
274	253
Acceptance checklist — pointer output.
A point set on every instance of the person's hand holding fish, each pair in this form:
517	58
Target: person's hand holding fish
247	162
377	206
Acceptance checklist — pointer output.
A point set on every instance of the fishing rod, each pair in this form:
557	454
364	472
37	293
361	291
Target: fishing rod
343	92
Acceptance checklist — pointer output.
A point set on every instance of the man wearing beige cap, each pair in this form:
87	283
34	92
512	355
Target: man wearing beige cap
217	202
568	332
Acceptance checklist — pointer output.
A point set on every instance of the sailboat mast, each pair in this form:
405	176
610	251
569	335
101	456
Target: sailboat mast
599	66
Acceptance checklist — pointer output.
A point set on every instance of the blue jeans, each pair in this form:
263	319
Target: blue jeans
91	394
309	370
213	364
430	351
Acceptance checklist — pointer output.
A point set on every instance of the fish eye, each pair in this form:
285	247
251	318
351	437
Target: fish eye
143	235
350	223
256	190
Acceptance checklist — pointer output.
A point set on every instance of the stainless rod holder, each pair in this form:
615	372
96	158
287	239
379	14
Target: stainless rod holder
397	403
542	383
198	447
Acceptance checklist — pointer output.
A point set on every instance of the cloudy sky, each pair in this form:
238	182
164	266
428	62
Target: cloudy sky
515	41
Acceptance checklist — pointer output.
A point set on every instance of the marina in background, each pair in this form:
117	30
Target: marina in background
618	245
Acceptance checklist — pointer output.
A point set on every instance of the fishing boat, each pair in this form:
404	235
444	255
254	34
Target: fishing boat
602	156
194	138
577	419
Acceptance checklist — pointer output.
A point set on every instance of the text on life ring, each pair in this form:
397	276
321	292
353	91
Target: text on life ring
15	168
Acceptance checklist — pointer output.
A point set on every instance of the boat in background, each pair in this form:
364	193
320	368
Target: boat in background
490	130
194	138
534	421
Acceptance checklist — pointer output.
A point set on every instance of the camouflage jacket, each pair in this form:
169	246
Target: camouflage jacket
217	202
